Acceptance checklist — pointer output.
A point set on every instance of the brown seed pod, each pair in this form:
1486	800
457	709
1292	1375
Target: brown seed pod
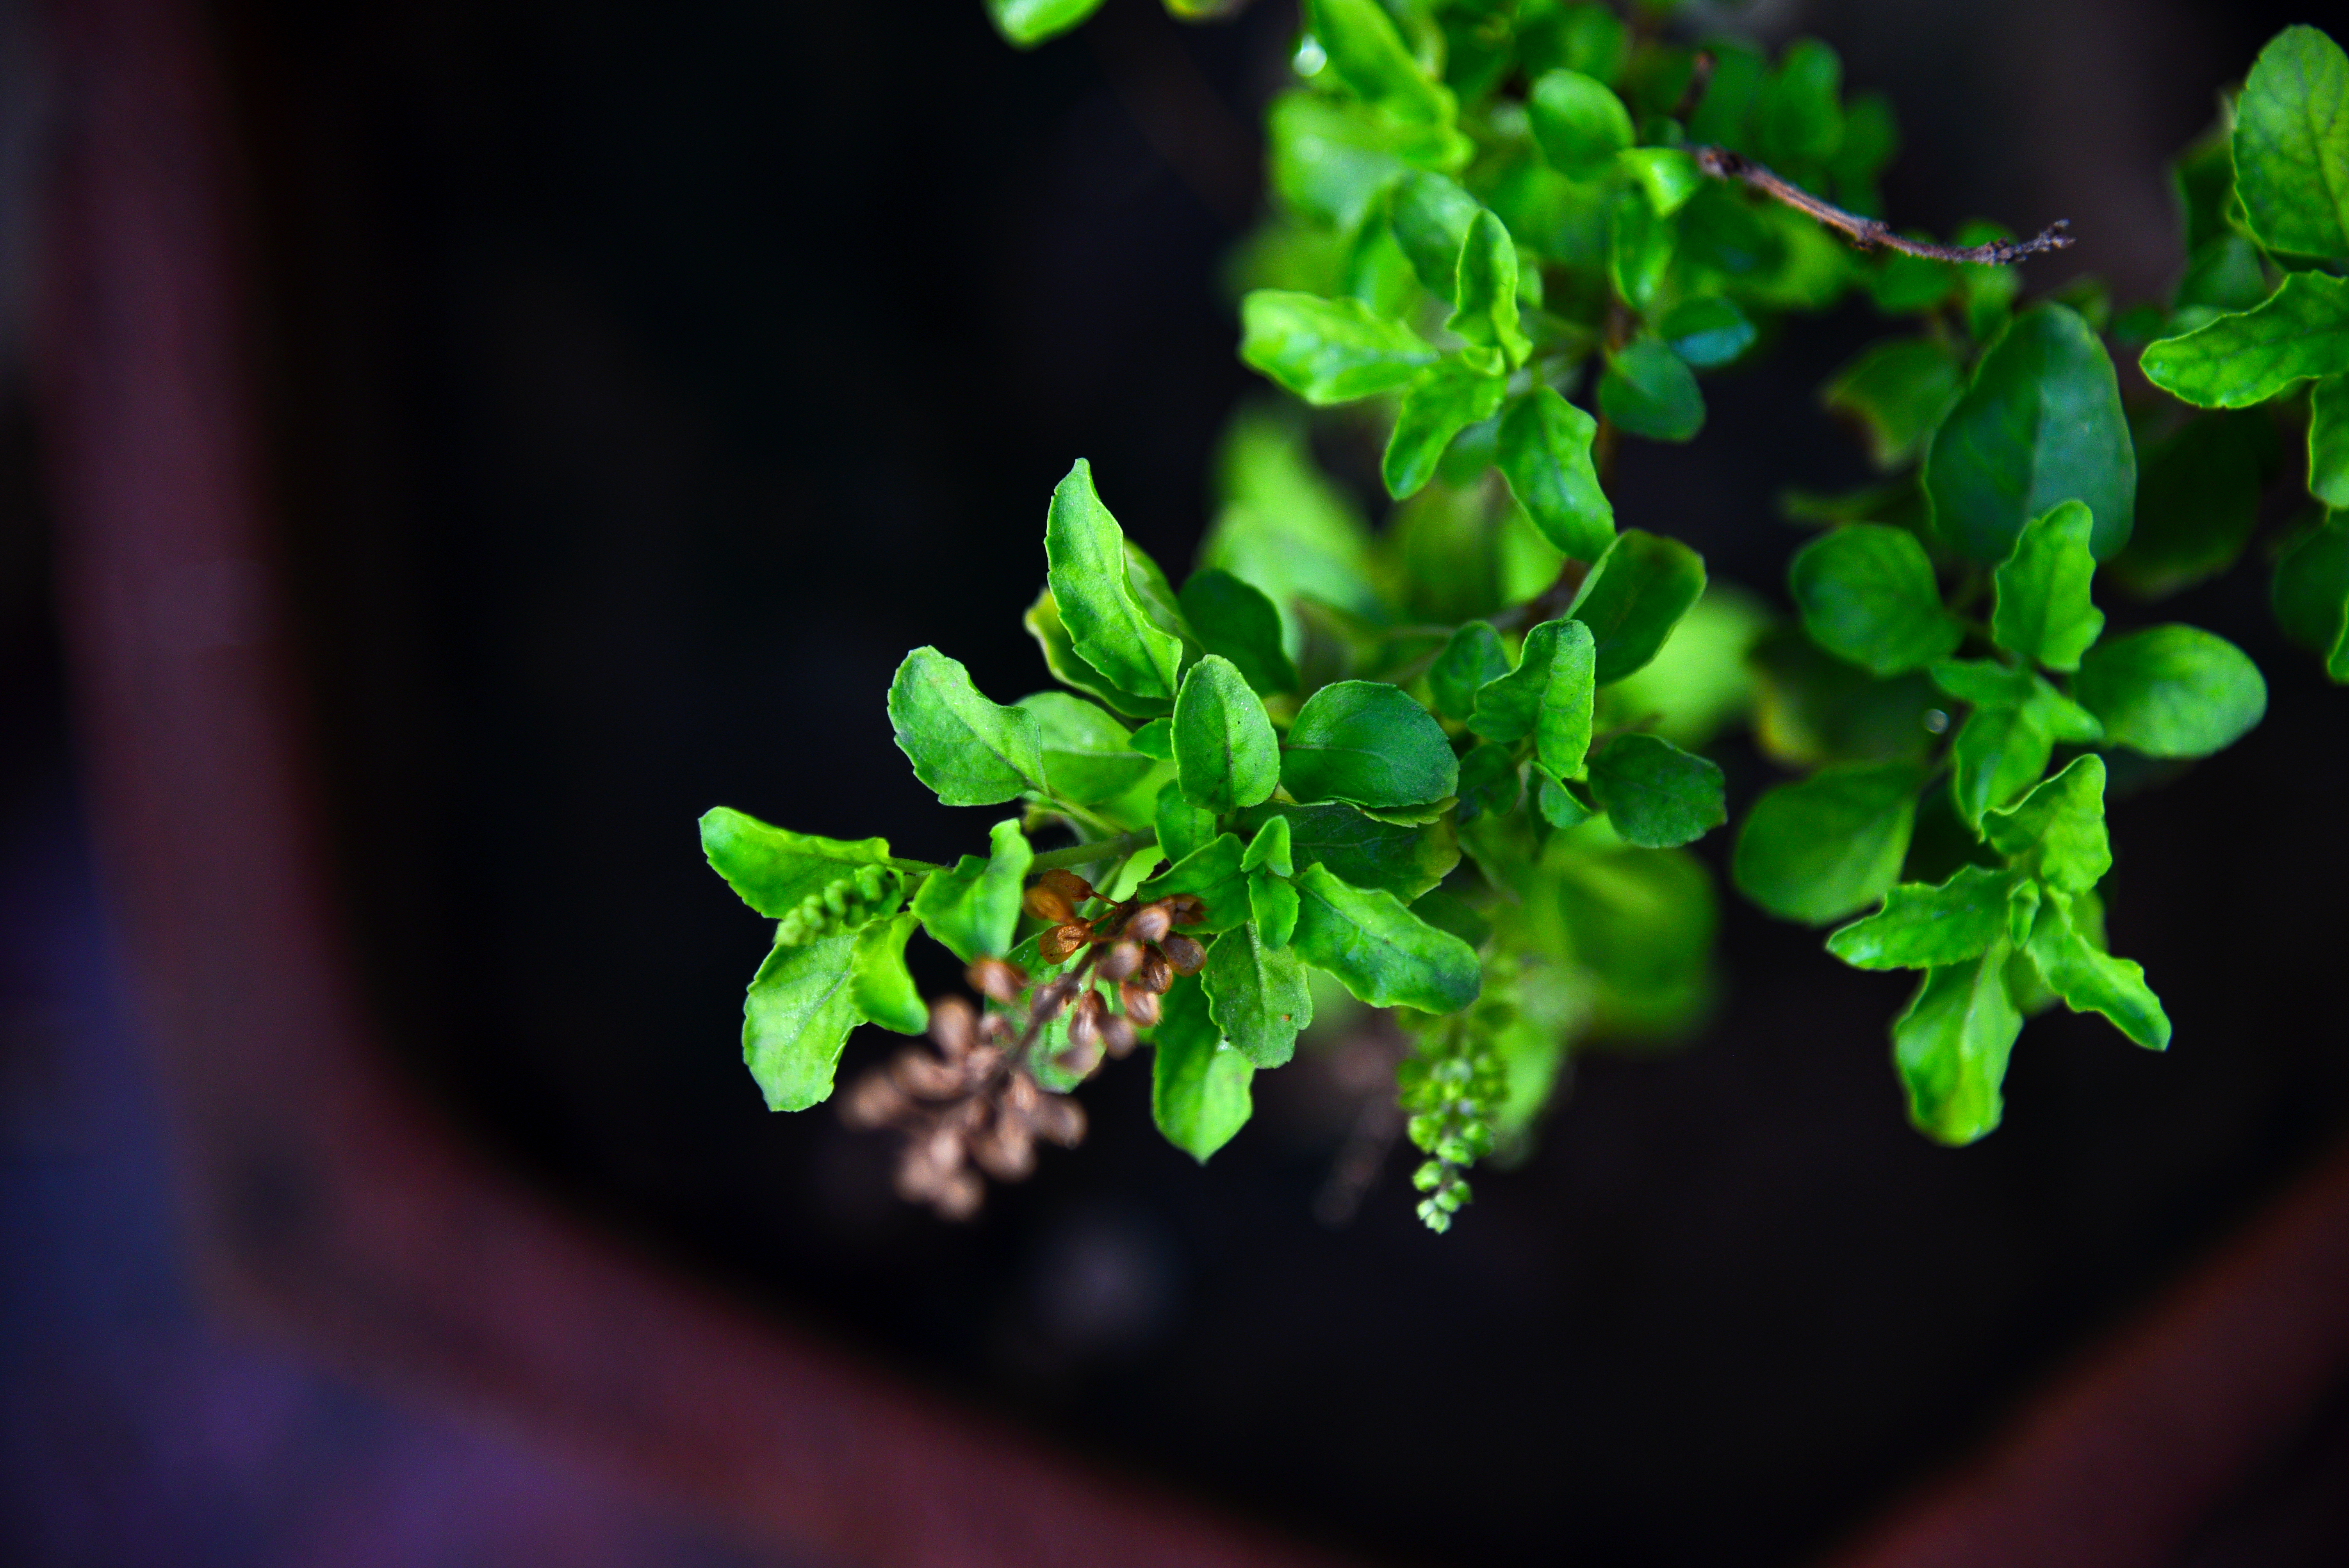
958	1196
923	1075
1006	1149
1149	923
1141	1004
1079	1061
1058	1118
1117	1033
1155	973
1186	955
995	978
874	1100
954	1024
1060	940
1085	1019
1068	884
1046	903
1050	999
1120	961
996	1027
1186	908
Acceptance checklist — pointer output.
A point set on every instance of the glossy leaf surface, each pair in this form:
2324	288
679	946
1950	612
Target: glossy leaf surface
1658	795
1257	995
970	751
1382	954
1818	850
1634	596
1225	754
1366	743
2172	691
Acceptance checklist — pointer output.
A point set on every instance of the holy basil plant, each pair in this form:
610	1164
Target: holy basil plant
1450	767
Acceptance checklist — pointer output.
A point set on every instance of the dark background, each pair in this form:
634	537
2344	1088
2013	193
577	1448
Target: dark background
646	379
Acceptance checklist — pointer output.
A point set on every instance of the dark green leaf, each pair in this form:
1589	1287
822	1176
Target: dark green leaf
970	751
1578	124
1831	845
1043	623
1367	743
1234	618
2328	441
1924	927
1812	707
1649	391
1474	657
2041	424
2042	611
1257	995
1952	1045
1361	850
772	869
1384	953
1658	795
1446	913
2172	691
1488	292
1027	23
973	906
1087	759
1225	754
881	985
2090	981
2203	179
2300	331
1449	396
1489	782
1897	392
1723	115
1635	594
1707	331
1998	754
2223	276
1328	350
2291	145
2056	833
1430	216
1866	593
1985	683
1212	871
1589	39
1181	827
1093	585
1284	527
1545	454
2197	501
1369	55
1799	118
797	1017
1198	1084
2311	594
1548	696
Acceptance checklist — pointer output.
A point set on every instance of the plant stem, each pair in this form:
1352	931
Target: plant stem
1091	854
1869	233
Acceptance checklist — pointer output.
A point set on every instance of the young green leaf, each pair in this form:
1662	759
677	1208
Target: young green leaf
1272	907
2328	441
1025	24
1818	850
2291	145
1367	743
2042	611
1328	350
1950	1048
1369	55
1225	754
881	985
1558	806
1635	595
1257	995
1093	585
968	750
1668	177
1639	248
1431	214
2041	424
2172	691
1043	623
1897	391
1405	860
1658	795
1212	872
1649	391
1867	595
1488	292
1332	159
2197	501
2090	981
796	1019
772	869
1181	827
1155	740
1471	658
1998	753
1380	952
1926	927
1198	1084
1550	696
2299	332
1233	617
1545	454
1271	849
1798	116
2056	833
2311	594
1706	331
1087	757
973	907
1448	397
1577	123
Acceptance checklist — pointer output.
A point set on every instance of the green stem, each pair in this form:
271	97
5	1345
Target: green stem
1091	854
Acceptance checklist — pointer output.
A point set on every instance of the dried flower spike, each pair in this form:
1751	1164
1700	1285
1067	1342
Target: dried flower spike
1068	884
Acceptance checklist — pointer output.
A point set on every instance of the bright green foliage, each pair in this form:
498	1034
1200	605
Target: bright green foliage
1452	1085
972	907
2328	441
2291	145
1707	331
1256	990
1487	291
1233	618
1833	843
1452	395
880	985
1472	658
1369	57
775	870
1866	593
2173	691
2056	833
1088	756
1658	795
1404	860
1649	391
1212	872
1547	698
2299	332
1544	452
968	750
1272	900
1952	1045
2092	981
1198	1084
1897	392
1094	587
1384	953
1370	743
1027	23
1225	755
796	1020
1430	215
1577	123
1328	350
2044	613
2311	594
1923	927
1634	597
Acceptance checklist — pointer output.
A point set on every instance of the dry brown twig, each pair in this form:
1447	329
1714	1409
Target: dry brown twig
1874	233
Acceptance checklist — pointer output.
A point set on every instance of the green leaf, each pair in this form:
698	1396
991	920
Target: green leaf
881	985
1639	247
1369	55
1271	849
1155	740
2291	145
1367	743
1489	783
1213	871
2198	502
1257	995
968	750
1952	1045
1233	618
1332	159
1635	595
1545	454
1798	116
1897	392
1558	806
1658	795
2172	691
2311	594
772	869
1488	292
1668	177
1473	656
1649	391
2328	441
2224	275
1181	827
1724	114
973	906
2056	833
797	1017
1272	907
1985	683
1818	850
1706	331
1550	696
2299	332
1284	527
1198	1084
2090	981
1577	123
2042	611
1027	23
1431	214
1380	951
1449	396
1087	756
1998	754
1405	860
1043	623
1328	350
2041	424
1225	754
1926	927
1093	585
1866	594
